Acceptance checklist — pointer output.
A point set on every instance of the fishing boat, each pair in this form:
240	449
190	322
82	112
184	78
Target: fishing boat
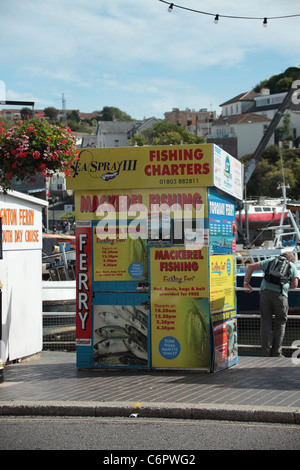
262	214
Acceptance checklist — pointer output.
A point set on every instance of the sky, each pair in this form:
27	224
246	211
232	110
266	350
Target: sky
138	57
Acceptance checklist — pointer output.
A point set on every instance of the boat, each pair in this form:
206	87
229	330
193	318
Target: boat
262	214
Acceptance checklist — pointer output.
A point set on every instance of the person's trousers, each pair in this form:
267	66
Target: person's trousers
272	303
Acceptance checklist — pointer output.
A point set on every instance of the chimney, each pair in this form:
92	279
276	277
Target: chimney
265	91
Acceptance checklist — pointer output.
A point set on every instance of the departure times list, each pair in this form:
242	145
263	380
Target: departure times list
179	285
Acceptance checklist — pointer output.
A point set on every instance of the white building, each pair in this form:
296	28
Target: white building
247	116
267	105
247	128
111	134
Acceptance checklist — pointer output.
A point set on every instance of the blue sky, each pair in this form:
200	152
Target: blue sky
134	55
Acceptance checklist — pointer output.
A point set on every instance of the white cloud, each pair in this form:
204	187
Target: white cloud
135	51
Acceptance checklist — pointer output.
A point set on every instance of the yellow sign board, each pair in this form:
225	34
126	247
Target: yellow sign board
143	167
222	292
119	259
179	307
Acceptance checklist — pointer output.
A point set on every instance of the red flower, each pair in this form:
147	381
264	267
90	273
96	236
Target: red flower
36	154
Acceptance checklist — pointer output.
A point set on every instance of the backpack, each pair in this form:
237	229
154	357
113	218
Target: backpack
278	271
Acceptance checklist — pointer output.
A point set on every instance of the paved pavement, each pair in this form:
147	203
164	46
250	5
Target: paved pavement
255	389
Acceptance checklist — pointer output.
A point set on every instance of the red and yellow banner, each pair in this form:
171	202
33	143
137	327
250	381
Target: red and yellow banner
89	202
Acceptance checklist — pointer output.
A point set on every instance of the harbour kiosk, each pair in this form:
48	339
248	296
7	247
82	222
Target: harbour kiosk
156	234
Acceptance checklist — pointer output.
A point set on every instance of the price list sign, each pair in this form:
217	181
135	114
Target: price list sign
179	307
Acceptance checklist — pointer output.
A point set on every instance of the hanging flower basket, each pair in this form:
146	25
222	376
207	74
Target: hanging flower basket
34	146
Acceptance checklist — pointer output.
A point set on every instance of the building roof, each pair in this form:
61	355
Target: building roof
247	96
114	126
246	118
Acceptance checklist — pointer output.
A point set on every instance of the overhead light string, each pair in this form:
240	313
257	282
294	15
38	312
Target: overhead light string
218	16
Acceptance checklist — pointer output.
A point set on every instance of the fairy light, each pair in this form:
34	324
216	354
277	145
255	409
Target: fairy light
218	16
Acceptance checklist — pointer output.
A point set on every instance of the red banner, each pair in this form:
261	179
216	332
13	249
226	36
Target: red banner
83	283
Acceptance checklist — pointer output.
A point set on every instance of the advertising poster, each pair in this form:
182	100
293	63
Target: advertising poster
223	310
222	287
228	173
119	259
222	225
225	339
179	308
120	335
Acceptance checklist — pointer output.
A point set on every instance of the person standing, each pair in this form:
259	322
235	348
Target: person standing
273	301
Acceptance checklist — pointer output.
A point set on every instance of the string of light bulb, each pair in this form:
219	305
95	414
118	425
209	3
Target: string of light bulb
218	16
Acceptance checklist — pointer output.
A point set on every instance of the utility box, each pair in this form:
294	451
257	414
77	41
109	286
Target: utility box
156	238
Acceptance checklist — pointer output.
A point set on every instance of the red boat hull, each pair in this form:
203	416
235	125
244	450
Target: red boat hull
262	218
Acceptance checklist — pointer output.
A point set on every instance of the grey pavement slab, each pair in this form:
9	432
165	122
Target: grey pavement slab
254	389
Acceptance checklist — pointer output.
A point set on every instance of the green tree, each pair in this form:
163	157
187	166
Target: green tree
110	113
51	113
279	83
73	116
26	112
138	140
268	173
165	133
283	84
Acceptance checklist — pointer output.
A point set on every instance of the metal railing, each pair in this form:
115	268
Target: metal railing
59	331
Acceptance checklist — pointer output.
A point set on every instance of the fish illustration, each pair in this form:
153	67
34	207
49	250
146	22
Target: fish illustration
129	359
135	349
141	316
136	336
196	329
109	347
111	331
125	312
122	315
111	319
109	176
